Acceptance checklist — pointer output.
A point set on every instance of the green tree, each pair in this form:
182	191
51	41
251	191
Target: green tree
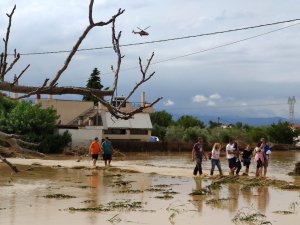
94	82
6	105
159	131
239	125
192	134
281	133
34	124
212	124
174	133
256	133
26	118
161	118
189	121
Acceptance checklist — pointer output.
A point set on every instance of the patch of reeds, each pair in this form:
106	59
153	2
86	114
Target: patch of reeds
250	216
217	202
202	191
283	212
111	206
59	196
129	191
250	182
165	196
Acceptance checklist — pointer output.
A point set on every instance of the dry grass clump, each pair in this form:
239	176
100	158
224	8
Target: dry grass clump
250	216
59	196
111	206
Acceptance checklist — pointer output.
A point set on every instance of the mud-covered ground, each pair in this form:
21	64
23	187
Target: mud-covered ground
141	191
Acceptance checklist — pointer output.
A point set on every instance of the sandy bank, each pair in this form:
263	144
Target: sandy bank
87	163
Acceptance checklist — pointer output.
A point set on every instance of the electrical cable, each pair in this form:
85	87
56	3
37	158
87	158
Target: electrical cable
163	40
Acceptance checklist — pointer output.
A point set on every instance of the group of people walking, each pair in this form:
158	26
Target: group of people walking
235	157
105	148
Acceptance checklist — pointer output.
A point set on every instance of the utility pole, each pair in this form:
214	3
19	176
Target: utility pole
291	102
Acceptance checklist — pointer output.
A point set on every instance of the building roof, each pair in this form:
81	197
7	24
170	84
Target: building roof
139	121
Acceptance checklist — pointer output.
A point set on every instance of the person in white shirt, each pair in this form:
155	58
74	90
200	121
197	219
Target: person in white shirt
215	158
230	155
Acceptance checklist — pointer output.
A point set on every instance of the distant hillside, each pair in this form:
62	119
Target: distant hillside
244	120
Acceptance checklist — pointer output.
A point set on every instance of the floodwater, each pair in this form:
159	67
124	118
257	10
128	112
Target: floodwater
161	189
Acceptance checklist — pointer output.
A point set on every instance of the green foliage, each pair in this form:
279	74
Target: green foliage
26	118
256	133
212	124
34	124
239	125
6	105
161	118
187	128
189	121
218	134
94	82
55	143
192	134
174	133
281	133
223	135
159	131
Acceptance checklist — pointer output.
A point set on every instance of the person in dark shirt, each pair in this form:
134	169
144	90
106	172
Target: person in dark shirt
246	159
198	154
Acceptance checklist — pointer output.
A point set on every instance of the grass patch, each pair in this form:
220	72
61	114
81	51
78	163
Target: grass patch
283	212
217	202
202	191
290	187
250	216
162	186
166	196
121	183
59	196
111	206
155	190
129	191
247	183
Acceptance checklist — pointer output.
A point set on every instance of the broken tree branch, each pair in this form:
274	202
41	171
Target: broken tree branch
13	167
82	37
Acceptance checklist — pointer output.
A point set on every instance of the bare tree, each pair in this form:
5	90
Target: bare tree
51	86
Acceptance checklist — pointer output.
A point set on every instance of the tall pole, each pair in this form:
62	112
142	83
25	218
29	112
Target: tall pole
291	102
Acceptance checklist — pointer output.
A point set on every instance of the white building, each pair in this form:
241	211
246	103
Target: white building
85	121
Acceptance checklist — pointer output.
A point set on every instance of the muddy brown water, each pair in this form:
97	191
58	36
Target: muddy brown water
161	188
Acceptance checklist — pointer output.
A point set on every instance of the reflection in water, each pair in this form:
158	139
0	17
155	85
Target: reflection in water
94	195
262	198
233	195
247	196
198	200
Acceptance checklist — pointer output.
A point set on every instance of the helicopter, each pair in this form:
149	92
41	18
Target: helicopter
142	32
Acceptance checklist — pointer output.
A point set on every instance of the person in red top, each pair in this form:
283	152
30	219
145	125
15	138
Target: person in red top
94	150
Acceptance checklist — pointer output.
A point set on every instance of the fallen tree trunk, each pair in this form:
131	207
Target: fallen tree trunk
13	167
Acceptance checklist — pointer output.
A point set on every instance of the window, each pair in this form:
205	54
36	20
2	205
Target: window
97	120
115	131
118	101
139	131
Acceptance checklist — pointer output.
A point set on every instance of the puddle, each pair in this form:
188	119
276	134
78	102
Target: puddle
159	195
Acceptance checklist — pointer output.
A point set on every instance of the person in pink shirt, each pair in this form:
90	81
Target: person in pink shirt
259	159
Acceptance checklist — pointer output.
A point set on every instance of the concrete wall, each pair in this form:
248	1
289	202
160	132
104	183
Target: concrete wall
67	110
84	136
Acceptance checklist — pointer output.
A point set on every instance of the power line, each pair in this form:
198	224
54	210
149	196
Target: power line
226	44
212	48
208	49
163	40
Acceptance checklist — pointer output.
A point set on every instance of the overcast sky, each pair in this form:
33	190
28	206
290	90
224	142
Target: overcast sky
245	73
